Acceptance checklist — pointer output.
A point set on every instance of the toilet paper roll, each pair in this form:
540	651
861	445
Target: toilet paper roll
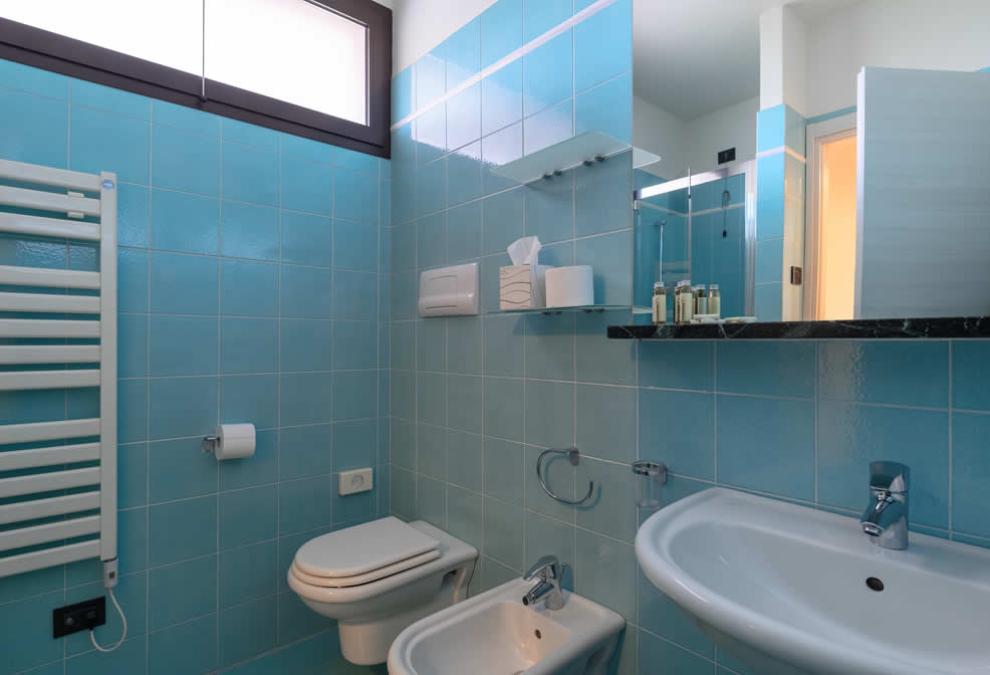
572	286
234	441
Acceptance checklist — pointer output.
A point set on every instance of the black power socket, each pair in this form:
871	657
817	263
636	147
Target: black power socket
84	615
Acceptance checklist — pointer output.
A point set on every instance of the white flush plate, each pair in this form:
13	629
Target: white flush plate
356	480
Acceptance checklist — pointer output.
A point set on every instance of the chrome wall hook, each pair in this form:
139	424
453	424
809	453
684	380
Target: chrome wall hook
574	457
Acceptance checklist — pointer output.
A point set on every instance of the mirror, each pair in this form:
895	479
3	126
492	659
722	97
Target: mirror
814	159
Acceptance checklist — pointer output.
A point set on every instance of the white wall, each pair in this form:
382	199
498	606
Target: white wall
947	35
694	143
420	25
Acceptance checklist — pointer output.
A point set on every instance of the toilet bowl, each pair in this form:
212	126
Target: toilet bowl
377	578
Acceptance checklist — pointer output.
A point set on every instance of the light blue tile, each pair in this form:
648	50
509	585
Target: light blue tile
33	80
36	129
133	214
304	504
354	294
767	445
247	288
550	209
27	623
132	341
770	127
464	394
677	365
605	571
503	218
678	429
430	133
464	117
430	78
248	134
304	398
661	616
305	292
180	469
539	16
183	284
248	346
251	398
851	436
501	98
464	232
430	235
306	185
132	280
247	516
464	174
503	345
600	202
498	149
306	239
504	405
501	30
131	657
183	345
132	410
101	140
356	197
548	127
355	246
180	592
464	515
355	395
970	374
462	51
546	536
298	148
248	231
768	302
185	161
354	444
769	260
915	373
182	407
970	473
304	451
606	422
607	108
247	573
464	345
353	346
599	359
430	398
431	451
250	174
190	647
549	414
465	459
431	188
257	470
296	620
186	119
503	470
767	368
247	630
402	94
652	650
549	346
503	538
603	45
547	74
609	257
610	510
182	530
132	475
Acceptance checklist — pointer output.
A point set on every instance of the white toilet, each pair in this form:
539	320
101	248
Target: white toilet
378	578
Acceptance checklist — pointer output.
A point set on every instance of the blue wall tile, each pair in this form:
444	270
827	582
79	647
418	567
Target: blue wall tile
501	30
36	129
101	139
770	368
603	46
185	161
184	222
915	373
249	231
546	74
970	374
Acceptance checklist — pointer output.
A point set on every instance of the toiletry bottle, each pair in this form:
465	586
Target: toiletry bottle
700	300
683	302
714	301
659	303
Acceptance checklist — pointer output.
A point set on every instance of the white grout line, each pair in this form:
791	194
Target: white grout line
506	60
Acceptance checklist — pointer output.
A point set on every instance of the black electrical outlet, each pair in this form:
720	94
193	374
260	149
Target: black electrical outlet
727	156
80	616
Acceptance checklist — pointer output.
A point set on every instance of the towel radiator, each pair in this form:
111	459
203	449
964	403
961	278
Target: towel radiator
58	331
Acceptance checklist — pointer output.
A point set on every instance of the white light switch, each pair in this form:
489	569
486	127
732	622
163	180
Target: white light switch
356	480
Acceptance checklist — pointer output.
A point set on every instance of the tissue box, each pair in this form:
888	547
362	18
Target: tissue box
521	286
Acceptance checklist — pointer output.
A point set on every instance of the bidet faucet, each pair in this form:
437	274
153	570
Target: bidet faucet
549	570
885	519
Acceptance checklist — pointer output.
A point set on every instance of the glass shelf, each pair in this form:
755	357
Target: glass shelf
569	154
586	309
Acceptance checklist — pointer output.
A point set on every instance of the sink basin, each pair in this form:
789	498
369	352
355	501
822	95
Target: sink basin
495	634
785	588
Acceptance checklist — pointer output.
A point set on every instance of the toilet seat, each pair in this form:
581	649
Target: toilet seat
363	554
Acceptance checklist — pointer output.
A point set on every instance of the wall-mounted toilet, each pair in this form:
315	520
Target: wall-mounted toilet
377	578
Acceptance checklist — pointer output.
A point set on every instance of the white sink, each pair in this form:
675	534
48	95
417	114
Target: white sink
784	588
495	634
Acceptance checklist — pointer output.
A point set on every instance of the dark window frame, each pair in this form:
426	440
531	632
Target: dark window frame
75	58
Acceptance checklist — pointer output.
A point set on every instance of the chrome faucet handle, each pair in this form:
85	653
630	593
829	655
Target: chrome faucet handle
540	567
891	477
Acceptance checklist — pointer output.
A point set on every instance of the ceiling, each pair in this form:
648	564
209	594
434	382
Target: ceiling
692	57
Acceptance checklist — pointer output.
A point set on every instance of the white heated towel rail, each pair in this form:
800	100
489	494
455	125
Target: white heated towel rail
58	331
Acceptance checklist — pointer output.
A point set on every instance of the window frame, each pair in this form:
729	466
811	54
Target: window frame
51	51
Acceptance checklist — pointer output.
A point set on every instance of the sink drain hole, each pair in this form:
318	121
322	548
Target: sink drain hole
874	584
538	634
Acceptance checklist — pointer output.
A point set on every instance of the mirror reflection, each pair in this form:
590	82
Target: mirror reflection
813	159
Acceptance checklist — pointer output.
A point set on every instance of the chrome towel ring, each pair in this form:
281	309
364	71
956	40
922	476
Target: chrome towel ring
573	456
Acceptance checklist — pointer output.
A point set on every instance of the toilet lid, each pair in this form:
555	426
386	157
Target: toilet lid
362	549
367	578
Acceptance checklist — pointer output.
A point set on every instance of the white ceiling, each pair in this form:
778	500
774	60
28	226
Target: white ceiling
692	57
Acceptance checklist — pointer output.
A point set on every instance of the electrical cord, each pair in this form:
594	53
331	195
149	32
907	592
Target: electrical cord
123	632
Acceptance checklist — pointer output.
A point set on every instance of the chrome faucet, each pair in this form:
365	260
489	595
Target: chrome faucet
549	570
885	519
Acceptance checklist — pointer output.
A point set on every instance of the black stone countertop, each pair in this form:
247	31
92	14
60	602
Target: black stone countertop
949	327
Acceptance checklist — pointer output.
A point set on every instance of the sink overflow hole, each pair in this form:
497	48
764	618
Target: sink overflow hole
538	634
874	584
